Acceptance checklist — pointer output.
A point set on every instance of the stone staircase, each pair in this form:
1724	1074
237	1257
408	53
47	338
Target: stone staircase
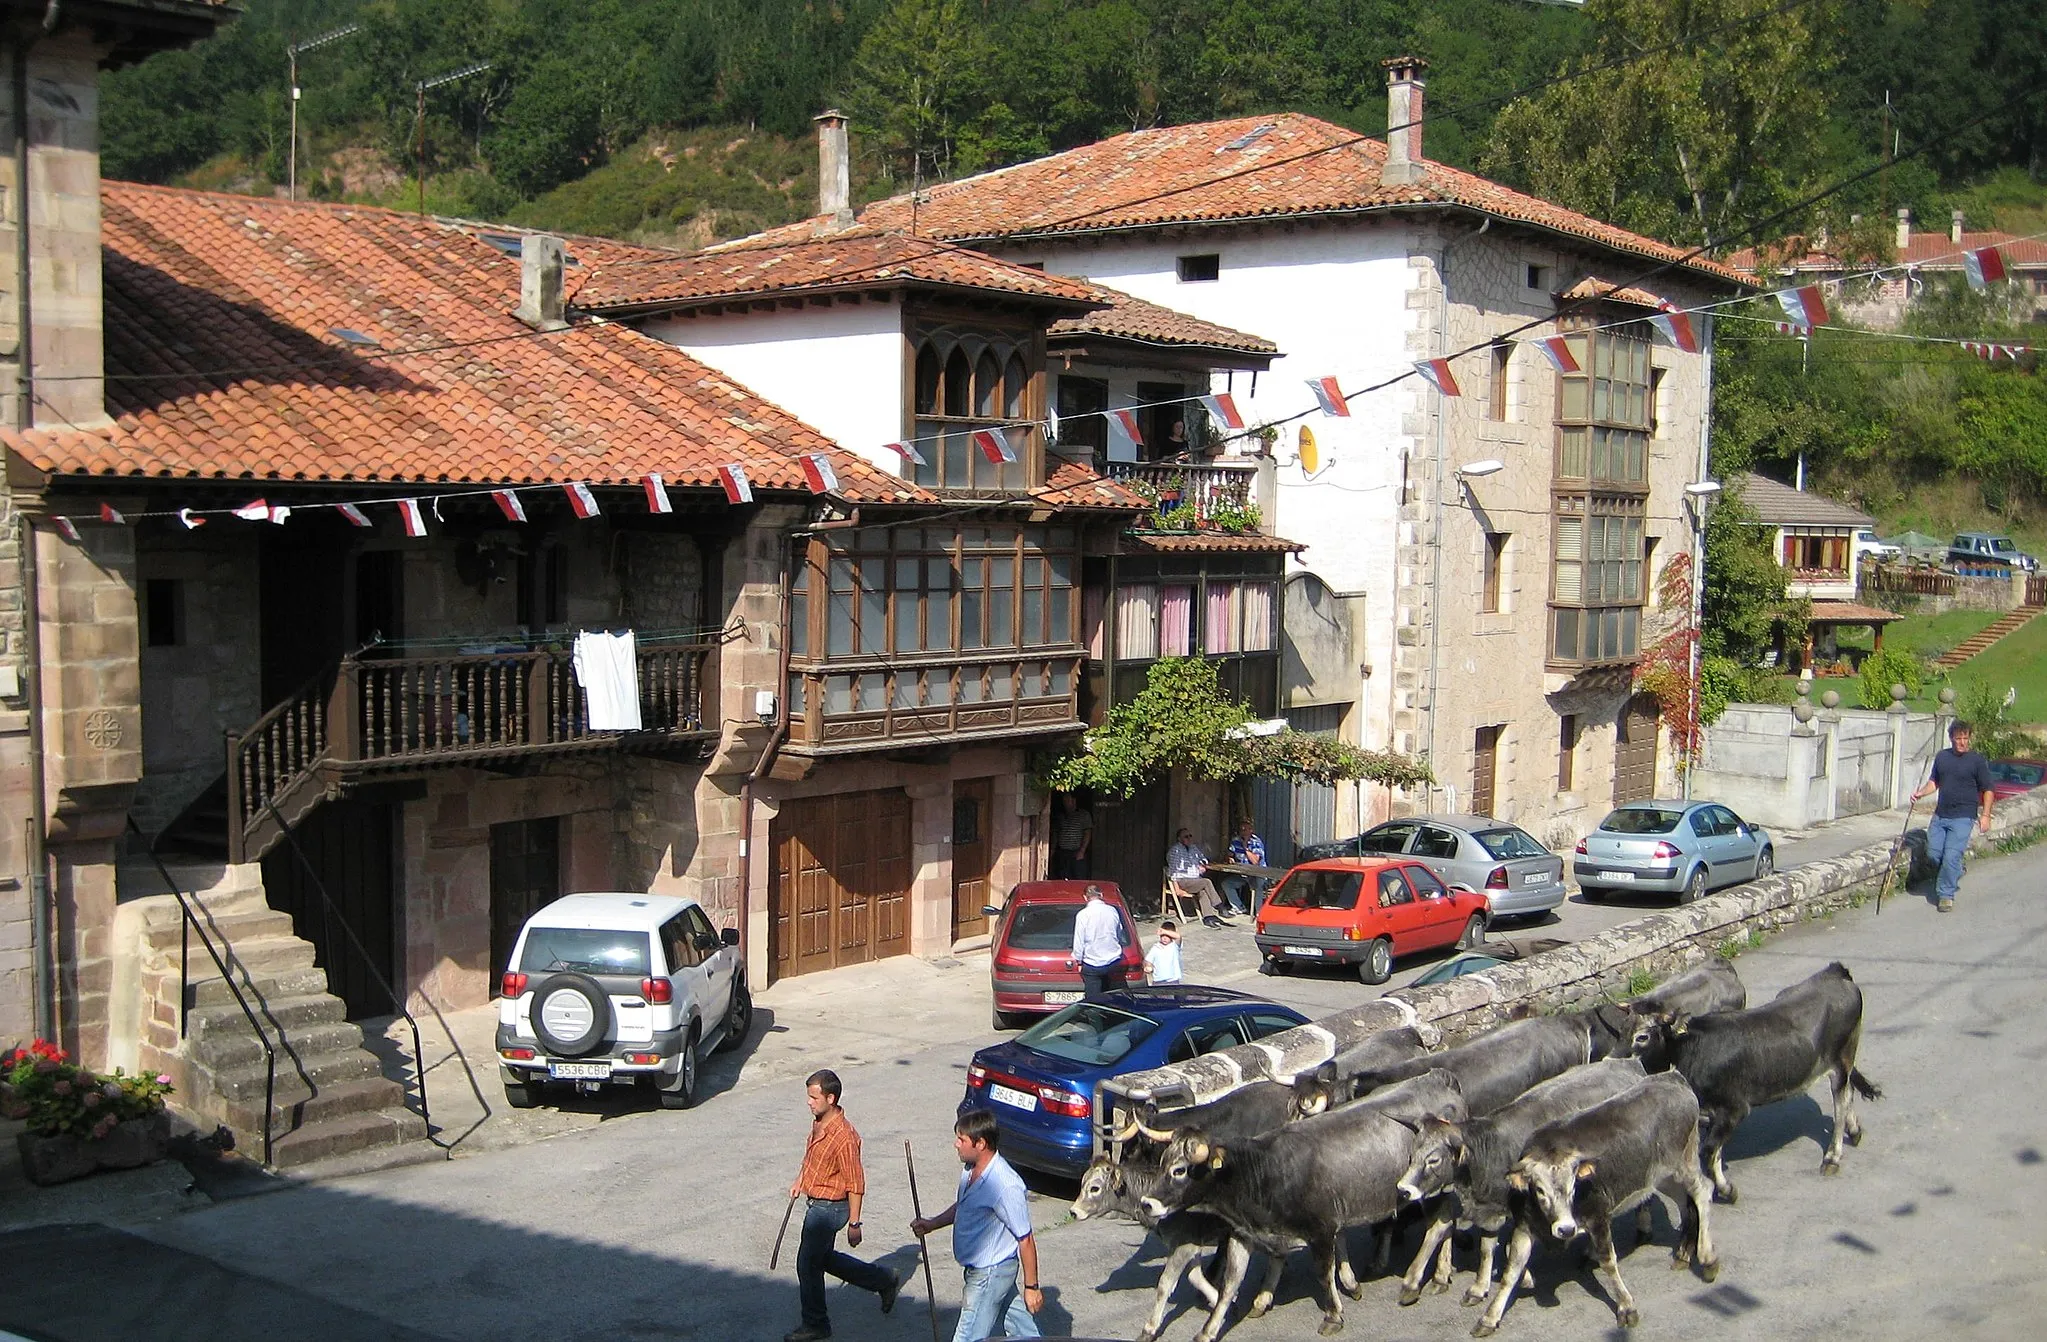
1976	643
332	1098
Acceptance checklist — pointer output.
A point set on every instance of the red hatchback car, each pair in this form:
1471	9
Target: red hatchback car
1363	912
1033	941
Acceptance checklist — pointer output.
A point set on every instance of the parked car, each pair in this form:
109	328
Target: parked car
1364	912
2010	778
1028	971
1683	848
1456	967
619	989
1041	1085
1867	546
1520	877
1984	549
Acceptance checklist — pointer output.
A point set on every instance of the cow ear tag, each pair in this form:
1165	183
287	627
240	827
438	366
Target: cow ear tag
1585	1169
1215	1162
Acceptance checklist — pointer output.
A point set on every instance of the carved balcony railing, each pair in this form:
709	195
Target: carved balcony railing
1203	494
868	703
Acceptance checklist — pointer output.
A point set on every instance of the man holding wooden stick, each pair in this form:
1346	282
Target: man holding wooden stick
835	1183
991	1237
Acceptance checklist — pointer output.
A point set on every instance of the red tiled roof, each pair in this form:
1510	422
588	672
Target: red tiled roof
1299	165
839	262
1930	251
1848	612
1213	542
1070	484
1131	318
1594	287
222	363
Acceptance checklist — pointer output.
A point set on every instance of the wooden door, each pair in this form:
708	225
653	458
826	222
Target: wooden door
348	851
1634	750
972	855
840	883
525	876
1129	848
1485	766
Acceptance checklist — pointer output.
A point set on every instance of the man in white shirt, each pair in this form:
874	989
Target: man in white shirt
1097	944
1186	868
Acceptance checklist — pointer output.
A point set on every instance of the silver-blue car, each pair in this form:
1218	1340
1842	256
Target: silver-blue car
1684	848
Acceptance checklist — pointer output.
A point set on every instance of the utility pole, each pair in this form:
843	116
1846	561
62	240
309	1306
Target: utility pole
292	52
419	116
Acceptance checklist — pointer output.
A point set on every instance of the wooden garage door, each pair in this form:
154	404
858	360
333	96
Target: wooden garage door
1634	750
841	881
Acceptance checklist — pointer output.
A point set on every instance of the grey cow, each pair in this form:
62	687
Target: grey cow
1713	986
1119	1188
1317	1089
1305	1183
1581	1173
1494	1068
1468	1163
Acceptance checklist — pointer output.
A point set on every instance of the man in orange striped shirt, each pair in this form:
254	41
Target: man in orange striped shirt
835	1184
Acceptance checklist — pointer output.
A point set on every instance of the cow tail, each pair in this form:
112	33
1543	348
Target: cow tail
1867	1089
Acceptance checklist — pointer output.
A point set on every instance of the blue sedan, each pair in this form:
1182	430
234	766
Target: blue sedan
1041	1085
1682	848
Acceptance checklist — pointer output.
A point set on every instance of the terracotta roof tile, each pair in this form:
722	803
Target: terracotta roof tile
1072	484
1300	165
1211	542
223	364
1130	318
1849	612
1932	251
1594	287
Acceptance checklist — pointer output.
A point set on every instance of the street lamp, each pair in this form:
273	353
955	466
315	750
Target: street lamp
1475	471
1700	496
292	53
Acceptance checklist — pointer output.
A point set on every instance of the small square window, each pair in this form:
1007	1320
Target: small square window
1196	269
1538	278
163	601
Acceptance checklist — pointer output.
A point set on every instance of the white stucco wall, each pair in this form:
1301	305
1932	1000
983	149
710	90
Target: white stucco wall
838	369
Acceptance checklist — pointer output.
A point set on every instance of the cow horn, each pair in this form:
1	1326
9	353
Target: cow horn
1154	1133
1125	1134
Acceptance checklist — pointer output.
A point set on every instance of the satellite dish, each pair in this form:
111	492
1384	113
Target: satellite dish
1311	456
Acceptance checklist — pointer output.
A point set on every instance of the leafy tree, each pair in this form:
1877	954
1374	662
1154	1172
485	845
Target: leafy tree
922	82
1743	602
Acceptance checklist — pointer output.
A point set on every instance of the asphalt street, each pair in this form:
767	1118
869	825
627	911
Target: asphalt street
661	1227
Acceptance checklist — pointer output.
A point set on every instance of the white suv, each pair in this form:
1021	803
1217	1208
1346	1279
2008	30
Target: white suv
619	989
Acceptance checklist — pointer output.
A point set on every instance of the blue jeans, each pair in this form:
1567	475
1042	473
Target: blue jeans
1244	894
1947	840
991	1295
819	1253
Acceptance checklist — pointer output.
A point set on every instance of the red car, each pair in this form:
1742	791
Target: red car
1034	940
2014	778
1363	912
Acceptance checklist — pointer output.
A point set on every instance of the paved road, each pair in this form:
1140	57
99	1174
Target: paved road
660	1227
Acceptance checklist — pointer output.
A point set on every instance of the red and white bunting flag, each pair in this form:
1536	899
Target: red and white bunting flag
280	514
1128	419
1980	349
509	504
1676	327
355	515
408	513
1804	305
256	510
191	519
1558	351
737	489
1330	397
63	525
908	452
994	445
1793	328
581	499
1223	407
1984	267
657	494
109	513
818	473
1438	375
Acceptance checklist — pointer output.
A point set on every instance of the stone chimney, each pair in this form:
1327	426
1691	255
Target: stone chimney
1904	228
834	169
1954	227
1404	87
540	282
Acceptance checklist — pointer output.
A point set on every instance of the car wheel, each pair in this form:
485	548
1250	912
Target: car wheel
1474	933
571	1014
1695	887
519	1092
1766	862
1377	966
1593	894
1272	964
1002	1020
680	1091
740	1019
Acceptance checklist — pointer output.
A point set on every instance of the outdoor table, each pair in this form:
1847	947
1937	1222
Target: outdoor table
1258	878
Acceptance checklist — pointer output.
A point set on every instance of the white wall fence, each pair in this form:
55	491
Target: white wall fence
1793	767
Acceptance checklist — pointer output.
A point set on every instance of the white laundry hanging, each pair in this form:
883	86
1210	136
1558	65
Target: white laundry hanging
609	672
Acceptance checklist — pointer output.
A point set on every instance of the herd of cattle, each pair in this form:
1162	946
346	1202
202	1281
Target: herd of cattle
1543	1128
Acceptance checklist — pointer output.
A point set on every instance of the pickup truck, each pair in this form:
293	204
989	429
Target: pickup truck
1984	549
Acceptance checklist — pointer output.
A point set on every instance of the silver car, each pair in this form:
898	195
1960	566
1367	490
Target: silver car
1683	848
1518	876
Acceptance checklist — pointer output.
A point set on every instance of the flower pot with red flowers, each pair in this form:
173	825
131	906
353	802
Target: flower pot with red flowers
79	1120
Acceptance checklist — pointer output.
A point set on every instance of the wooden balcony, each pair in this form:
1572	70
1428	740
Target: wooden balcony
867	703
384	715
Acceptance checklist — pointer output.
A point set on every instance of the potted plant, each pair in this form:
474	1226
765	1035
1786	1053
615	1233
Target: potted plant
78	1120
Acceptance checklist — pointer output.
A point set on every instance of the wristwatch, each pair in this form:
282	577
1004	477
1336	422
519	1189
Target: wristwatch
1030	1286
852	1225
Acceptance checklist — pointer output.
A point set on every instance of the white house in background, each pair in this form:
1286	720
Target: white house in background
1813	537
1491	624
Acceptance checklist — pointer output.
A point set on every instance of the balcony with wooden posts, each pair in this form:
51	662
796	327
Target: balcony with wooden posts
1210	496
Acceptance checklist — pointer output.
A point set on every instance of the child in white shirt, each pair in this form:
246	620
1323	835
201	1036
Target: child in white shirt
1162	961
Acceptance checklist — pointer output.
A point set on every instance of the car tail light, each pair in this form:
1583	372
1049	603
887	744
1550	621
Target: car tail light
1497	880
1065	1102
977	1075
644	1059
1580	849
1261	927
517	1054
1664	852
1355	934
658	991
512	985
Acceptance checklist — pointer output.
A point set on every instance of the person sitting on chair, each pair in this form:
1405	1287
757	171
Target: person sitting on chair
1185	868
1249	850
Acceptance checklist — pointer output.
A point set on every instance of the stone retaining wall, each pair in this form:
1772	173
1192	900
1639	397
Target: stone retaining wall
1577	975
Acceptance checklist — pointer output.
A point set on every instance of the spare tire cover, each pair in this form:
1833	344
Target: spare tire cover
571	1014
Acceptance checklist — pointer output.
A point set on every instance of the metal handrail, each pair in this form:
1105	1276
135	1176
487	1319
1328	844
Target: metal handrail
187	924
